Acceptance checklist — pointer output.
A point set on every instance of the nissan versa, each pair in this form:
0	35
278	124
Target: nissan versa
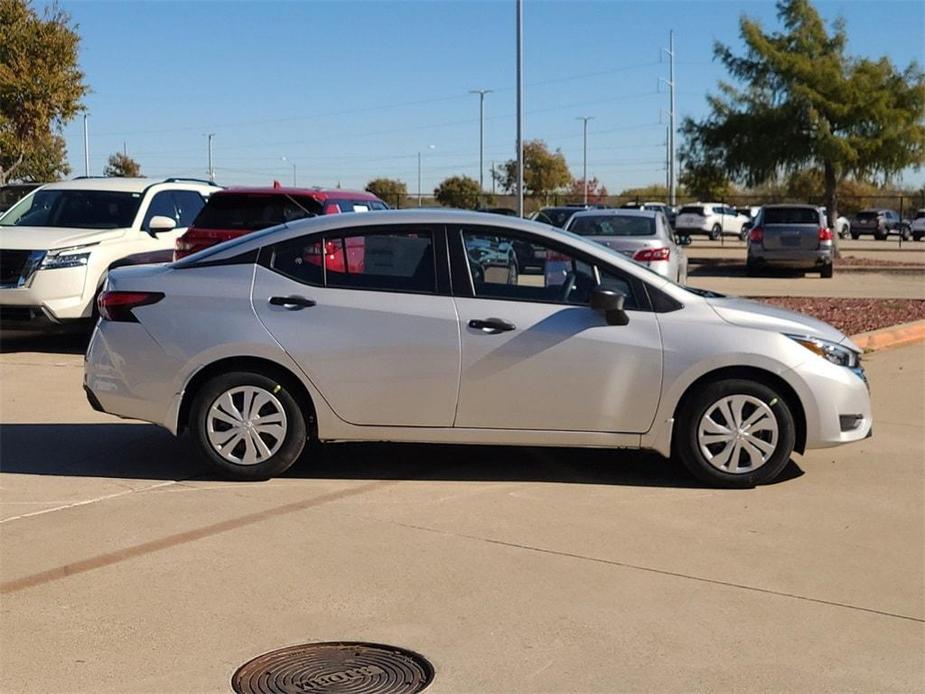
419	326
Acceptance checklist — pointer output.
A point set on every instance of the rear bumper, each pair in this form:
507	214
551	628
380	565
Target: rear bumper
795	258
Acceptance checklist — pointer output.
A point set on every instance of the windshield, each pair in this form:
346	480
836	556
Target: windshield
78	209
254	211
612	225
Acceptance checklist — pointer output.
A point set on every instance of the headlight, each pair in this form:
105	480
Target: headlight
830	351
66	257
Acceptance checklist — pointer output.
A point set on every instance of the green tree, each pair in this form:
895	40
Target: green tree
803	102
46	160
390	190
704	180
458	191
41	87
545	172
122	166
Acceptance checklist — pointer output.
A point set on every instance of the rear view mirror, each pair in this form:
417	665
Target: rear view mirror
611	304
159	224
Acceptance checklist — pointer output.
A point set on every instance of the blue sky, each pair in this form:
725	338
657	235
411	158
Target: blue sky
352	90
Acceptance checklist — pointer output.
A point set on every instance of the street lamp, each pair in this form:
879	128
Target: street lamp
292	164
481	93
419	172
584	173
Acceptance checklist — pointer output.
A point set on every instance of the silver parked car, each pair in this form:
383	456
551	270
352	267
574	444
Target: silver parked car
260	344
790	236
643	235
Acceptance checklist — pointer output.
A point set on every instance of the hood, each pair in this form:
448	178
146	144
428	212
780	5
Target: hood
52	238
755	314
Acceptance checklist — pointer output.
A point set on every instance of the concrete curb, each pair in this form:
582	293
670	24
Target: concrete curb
893	336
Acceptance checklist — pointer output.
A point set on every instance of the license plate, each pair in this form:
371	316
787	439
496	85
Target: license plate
790	241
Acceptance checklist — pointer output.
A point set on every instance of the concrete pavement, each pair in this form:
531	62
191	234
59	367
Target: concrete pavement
125	568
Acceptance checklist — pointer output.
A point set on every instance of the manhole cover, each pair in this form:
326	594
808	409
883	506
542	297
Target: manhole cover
358	668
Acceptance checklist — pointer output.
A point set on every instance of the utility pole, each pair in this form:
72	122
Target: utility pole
520	108
86	147
292	164
672	113
481	93
419	178
584	174
211	169
493	178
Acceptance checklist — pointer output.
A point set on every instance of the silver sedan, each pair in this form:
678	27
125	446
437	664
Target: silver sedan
643	235
259	345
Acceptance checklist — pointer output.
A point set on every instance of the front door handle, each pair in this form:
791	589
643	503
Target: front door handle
492	326
293	303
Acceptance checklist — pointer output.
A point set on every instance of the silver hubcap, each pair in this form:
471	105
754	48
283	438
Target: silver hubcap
246	425
738	434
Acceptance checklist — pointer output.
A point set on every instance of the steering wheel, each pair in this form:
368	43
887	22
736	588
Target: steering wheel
568	285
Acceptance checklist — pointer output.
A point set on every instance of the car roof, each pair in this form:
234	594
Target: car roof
795	204
319	194
618	212
126	185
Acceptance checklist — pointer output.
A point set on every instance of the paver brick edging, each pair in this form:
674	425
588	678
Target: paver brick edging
893	336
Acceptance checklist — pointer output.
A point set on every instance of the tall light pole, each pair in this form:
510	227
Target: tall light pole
419	172
584	172
292	164
520	108
211	169
86	147
672	112
481	93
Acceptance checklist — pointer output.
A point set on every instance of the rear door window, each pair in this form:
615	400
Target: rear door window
400	261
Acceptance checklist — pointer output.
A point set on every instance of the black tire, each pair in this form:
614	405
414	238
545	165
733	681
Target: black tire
917	236
751	269
906	235
878	236
696	406
855	236
826	271
715	232
293	442
844	232
743	235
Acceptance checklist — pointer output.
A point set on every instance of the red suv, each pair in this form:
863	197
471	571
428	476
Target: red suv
233	212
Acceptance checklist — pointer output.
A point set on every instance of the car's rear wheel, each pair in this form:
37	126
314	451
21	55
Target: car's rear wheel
751	269
855	236
826	271
248	425
906	234
880	236
715	232
735	433
917	236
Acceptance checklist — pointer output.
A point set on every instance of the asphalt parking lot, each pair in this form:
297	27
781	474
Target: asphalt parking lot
126	568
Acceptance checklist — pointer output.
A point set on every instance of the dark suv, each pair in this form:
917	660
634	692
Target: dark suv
881	223
234	212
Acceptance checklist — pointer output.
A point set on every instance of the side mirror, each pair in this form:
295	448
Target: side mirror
684	240
611	304
159	224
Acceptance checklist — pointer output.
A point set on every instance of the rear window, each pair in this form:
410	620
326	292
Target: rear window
866	216
613	225
920	214
254	211
692	209
791	215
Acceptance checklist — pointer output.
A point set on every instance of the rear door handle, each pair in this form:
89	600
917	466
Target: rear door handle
492	326
293	303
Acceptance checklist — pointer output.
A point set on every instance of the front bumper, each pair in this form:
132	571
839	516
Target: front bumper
51	297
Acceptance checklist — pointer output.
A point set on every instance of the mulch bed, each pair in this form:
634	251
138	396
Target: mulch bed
854	261
853	316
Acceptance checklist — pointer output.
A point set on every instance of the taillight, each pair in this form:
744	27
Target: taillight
756	235
651	255
117	306
181	249
825	234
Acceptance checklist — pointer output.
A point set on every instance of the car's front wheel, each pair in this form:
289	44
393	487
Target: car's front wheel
247	425
715	232
735	433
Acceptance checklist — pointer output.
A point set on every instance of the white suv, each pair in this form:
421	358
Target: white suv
711	218
58	243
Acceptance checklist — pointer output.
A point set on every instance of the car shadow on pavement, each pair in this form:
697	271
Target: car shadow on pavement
738	270
143	451
54	343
